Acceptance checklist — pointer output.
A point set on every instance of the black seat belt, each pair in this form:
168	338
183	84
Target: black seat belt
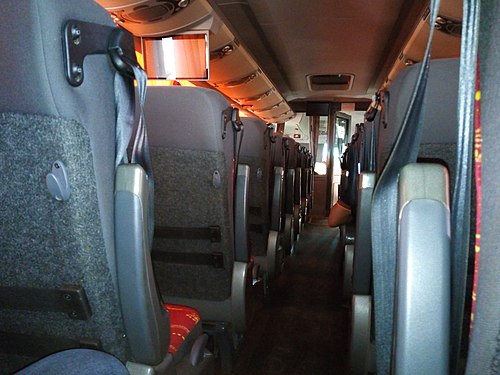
384	211
484	349
125	116
461	199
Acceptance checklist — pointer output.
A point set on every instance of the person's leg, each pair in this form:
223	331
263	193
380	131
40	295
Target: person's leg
340	213
76	362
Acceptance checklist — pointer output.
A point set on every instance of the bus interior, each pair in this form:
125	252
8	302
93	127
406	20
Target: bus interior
249	187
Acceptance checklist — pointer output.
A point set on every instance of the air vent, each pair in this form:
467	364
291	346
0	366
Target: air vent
318	82
150	11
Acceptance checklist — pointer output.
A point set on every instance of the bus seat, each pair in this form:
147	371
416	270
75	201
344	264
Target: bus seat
200	253
164	335
348	188
256	152
439	117
59	283
438	145
55	250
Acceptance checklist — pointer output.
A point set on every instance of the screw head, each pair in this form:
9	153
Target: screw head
76	34
77	72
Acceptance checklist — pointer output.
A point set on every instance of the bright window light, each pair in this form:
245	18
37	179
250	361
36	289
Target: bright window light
320	168
169	57
325	152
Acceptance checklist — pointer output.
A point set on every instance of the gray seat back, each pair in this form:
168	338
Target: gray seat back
439	117
438	144
191	139
57	255
278	150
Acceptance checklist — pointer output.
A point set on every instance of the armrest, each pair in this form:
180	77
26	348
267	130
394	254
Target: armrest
290	191
362	266
241	249
298	186
277	195
423	271
146	322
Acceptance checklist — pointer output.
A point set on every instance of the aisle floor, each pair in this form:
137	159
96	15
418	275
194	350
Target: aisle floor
304	329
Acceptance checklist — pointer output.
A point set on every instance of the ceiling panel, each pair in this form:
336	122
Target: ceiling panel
320	37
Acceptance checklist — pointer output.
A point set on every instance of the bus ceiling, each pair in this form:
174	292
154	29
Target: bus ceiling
273	59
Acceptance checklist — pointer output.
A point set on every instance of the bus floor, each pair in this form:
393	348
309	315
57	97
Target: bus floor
304	328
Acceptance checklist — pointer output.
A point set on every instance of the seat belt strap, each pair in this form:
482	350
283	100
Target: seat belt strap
125	113
384	212
461	198
125	107
484	349
478	140
478	202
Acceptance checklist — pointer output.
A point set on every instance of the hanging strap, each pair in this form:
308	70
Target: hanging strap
478	140
384	211
461	199
238	128
125	108
140	150
484	350
268	136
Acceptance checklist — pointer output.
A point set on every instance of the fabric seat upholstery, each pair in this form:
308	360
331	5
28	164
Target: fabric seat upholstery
48	243
185	326
193	154
256	153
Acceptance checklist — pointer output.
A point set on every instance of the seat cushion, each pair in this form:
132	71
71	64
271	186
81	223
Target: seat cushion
185	326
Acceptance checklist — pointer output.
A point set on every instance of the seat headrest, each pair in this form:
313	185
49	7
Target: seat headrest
253	138
32	70
186	117
440	106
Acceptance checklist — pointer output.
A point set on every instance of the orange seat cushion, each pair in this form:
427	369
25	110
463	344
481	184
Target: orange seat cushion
182	321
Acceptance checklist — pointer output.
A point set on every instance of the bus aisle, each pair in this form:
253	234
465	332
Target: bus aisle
304	330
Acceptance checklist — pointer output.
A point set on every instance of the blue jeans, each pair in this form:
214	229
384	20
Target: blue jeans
76	362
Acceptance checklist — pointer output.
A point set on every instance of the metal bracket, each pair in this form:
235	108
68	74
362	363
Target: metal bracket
84	38
74	299
232	115
69	299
